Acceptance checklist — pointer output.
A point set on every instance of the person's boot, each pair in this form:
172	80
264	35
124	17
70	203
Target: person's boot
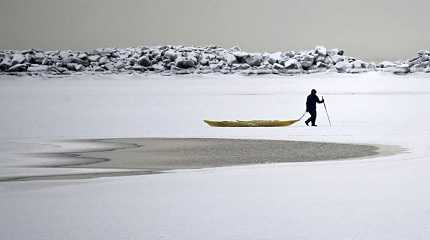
307	123
314	125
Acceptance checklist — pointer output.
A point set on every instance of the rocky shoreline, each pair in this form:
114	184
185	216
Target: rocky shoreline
186	60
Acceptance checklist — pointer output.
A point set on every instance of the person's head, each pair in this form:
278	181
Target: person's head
313	92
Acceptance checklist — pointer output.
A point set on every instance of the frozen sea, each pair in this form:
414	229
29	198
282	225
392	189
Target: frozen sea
377	198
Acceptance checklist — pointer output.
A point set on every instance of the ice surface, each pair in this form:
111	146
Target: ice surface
382	198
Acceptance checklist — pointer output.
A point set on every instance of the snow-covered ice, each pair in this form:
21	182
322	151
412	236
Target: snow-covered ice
377	198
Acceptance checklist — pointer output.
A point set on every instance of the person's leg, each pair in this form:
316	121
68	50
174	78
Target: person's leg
309	119
314	118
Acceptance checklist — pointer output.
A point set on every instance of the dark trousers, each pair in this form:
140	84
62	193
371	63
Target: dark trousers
312	118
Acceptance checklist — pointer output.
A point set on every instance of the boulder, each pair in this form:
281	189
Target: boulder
144	61
154	53
82	56
424	58
320	50
18	68
278	66
204	61
337	58
18	58
244	66
47	61
235	49
275	58
165	47
109	66
104	52
321	65
215	66
386	64
119	65
241	56
5	65
402	69
170	55
422	64
37	68
307	61
103	60
225	70
328	60
289	54
320	58
57	70
75	67
94	58
291	64
332	52
358	64
28	57
204	71
185	63
229	58
421	53
340	66
37	58
157	68
254	60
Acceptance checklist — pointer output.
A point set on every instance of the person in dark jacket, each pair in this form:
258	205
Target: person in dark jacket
311	107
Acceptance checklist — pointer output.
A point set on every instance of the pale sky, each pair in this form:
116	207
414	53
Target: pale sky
372	29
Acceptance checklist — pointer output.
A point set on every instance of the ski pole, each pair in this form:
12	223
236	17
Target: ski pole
326	112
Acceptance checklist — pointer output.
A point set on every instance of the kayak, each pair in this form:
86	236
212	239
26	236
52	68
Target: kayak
251	123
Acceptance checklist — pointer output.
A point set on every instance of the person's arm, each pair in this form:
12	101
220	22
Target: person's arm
320	101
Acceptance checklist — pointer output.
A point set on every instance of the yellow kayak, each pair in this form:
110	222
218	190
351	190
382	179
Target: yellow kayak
251	123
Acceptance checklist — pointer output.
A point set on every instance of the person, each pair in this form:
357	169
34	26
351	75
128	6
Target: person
311	107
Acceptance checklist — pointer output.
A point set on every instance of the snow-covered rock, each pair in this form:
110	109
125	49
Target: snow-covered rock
340	66
94	58
37	68
171	55
307	61
103	60
278	66
5	64
229	58
402	69
386	64
144	61
241	56
320	50
185	63
174	59
291	63
18	68
275	58
254	60
18	58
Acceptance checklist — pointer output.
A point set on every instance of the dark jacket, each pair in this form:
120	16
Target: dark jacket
311	103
